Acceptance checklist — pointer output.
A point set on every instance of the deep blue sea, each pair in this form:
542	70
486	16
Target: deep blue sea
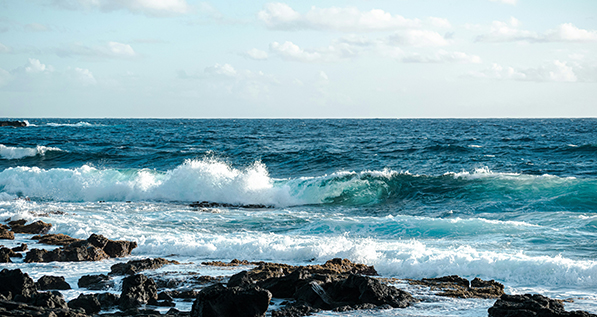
513	200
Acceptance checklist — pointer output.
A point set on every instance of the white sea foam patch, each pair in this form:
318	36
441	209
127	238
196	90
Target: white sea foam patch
14	153
78	124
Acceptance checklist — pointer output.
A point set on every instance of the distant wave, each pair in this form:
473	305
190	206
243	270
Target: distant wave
217	181
15	153
78	124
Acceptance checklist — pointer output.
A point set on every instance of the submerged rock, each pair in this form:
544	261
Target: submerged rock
136	266
48	282
209	204
531	305
458	287
220	301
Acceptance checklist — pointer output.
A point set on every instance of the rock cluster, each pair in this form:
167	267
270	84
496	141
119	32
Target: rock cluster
531	305
95	248
17	124
136	266
458	287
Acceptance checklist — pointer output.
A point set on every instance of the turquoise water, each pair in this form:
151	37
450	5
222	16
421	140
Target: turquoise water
511	200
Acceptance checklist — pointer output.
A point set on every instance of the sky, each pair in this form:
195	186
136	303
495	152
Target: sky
298	59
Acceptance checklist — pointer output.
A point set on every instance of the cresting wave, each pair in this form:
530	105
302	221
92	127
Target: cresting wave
15	153
78	124
217	181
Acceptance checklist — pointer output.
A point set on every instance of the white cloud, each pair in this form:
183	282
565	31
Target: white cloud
418	38
443	57
83	76
557	71
110	50
4	49
35	66
225	70
147	7
510	32
512	2
257	54
4	77
281	16
439	22
291	51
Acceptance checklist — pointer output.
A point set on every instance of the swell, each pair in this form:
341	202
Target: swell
212	180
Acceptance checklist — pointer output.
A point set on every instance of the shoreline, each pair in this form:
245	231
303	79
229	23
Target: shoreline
270	280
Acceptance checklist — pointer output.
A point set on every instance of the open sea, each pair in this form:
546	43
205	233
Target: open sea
513	200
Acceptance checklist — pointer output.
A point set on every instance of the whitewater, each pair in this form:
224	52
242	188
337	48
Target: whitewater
504	199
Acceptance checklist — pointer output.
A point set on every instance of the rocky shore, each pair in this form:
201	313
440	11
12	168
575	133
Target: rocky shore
337	285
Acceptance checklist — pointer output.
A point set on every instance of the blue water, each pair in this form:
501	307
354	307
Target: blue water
508	199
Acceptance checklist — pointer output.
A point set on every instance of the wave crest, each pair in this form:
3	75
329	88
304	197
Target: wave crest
15	153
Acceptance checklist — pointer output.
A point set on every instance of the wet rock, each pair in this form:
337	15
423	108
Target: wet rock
88	302
55	239
458	287
48	300
35	255
234	262
48	282
5	256
6	234
208	204
136	266
108	300
241	279
295	311
183	294
120	248
136	291
14	309
531	305
38	227
95	282
357	289
15	283
220	301
17	124
21	248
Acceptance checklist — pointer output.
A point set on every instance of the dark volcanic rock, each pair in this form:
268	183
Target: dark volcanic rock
95	282
37	227
48	300
358	289
17	309
16	283
531	306
136	266
219	301
136	291
5	255
47	282
120	248
234	262
95	248
88	302
209	204
458	287
295	311
21	248
55	239
17	124
6	234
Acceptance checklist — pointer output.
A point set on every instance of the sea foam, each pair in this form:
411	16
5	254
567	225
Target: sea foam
14	153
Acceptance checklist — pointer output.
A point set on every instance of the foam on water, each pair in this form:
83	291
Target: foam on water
14	153
78	124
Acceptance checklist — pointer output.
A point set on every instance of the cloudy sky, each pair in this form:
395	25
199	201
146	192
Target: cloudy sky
360	58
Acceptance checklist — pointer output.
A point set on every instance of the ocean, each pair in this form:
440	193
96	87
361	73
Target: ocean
514	200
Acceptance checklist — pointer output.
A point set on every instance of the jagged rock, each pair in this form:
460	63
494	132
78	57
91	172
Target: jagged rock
55	239
83	250
6	234
234	262
17	124
21	248
48	282
219	301
295	311
358	289
120	248
5	256
136	266
88	302
108	300
531	305
208	204
241	279
95	282
458	287
51	299
16	283
183	294
17	309
137	290
38	227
